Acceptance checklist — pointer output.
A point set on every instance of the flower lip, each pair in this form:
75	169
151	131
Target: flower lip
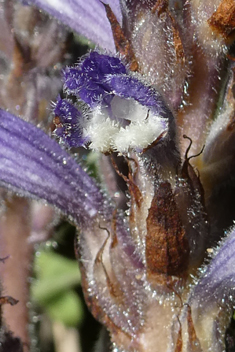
88	80
121	107
68	121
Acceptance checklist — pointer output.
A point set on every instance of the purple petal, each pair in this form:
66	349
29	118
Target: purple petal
67	112
85	17
71	136
88	80
34	164
99	77
67	121
126	86
211	300
218	282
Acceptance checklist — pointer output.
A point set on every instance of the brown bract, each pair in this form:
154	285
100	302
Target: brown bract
122	44
162	9
223	19
166	246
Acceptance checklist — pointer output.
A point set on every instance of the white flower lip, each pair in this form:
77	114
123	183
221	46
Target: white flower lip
128	125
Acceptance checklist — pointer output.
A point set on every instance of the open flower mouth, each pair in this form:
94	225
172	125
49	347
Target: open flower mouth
120	112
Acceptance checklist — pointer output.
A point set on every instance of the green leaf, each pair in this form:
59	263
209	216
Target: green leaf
55	275
66	308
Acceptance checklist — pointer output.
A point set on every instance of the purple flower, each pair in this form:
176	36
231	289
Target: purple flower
119	104
162	273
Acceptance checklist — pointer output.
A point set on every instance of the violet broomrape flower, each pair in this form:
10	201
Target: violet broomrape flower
161	275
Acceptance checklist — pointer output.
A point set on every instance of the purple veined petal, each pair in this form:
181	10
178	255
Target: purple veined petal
218	282
85	17
33	164
211	301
